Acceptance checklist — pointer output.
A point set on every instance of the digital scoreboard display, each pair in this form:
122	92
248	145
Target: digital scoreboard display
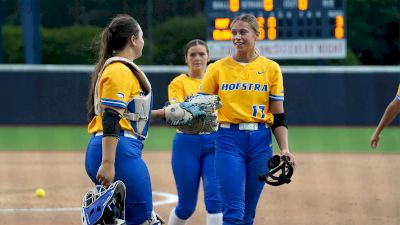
289	29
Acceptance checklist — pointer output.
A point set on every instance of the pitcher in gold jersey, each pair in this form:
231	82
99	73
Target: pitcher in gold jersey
251	90
193	154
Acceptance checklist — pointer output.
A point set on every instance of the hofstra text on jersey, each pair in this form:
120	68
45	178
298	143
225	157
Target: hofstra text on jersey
244	87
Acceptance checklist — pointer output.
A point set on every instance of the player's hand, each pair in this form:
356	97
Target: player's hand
106	173
374	140
290	156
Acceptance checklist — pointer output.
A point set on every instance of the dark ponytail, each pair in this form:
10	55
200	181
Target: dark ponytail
113	39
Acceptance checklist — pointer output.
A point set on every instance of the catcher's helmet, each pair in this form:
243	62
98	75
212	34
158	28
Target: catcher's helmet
278	164
103	206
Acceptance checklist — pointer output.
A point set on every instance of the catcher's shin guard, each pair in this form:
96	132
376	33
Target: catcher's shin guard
278	164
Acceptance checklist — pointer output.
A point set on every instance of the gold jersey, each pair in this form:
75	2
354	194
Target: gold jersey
116	86
182	87
245	89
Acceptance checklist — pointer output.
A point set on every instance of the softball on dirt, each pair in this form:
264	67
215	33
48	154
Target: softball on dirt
40	193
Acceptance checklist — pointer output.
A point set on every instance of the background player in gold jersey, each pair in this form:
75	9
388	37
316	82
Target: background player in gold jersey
390	113
114	151
193	154
251	90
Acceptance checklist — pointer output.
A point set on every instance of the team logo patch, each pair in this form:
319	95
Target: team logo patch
120	95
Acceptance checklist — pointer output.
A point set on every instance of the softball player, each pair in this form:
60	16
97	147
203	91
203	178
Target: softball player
115	148
193	154
390	113
251	90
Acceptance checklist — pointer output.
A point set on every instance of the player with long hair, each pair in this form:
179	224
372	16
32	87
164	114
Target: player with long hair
251	90
119	109
193	154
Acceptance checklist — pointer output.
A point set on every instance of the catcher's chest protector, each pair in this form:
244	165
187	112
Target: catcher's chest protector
138	110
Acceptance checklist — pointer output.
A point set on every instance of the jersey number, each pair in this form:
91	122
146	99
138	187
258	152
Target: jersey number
260	108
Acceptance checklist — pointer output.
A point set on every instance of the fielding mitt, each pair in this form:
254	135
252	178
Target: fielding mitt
195	115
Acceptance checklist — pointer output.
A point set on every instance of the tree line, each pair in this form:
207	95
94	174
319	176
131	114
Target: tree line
69	30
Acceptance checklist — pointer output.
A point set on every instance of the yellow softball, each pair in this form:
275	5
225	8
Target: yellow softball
40	192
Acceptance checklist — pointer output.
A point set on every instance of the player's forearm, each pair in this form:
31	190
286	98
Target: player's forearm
158	114
281	136
390	113
109	148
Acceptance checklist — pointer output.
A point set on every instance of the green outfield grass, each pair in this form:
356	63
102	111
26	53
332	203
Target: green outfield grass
301	139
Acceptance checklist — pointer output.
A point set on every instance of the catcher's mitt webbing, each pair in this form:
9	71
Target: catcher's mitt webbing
194	109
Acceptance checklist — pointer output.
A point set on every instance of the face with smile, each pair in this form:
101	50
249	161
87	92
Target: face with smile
243	37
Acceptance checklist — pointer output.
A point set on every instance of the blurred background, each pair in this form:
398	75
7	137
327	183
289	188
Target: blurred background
340	58
340	62
67	28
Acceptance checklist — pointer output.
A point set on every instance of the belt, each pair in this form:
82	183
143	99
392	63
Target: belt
180	132
243	126
125	133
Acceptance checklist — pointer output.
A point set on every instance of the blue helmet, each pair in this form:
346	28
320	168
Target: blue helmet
103	206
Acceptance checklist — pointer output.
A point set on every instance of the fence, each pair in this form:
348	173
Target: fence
317	95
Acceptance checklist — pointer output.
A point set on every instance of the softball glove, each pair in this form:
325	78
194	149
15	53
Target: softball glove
195	115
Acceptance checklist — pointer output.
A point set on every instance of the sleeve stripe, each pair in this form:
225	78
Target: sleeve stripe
276	97
202	93
115	103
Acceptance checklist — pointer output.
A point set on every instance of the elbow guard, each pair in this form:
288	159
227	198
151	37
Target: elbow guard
111	125
279	120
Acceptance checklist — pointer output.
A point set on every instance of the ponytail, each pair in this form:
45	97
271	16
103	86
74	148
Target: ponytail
105	52
113	38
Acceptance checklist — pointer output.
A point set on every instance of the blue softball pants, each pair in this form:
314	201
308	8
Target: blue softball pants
130	169
192	159
240	157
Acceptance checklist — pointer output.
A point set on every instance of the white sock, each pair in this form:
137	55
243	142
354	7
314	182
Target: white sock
174	219
214	219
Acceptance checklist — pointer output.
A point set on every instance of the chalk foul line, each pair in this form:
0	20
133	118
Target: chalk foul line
168	199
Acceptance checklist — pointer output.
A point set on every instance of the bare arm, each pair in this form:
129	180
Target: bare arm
106	172
390	113
158	113
281	132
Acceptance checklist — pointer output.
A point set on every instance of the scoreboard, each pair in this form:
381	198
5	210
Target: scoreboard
289	29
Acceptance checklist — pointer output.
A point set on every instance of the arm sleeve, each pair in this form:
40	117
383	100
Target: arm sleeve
276	91
175	92
209	84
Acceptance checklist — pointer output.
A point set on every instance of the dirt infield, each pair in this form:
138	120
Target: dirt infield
327	189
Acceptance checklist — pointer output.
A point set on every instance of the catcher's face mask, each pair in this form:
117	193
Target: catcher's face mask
104	205
280	171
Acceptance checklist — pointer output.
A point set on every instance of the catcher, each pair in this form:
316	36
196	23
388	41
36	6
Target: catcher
119	112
